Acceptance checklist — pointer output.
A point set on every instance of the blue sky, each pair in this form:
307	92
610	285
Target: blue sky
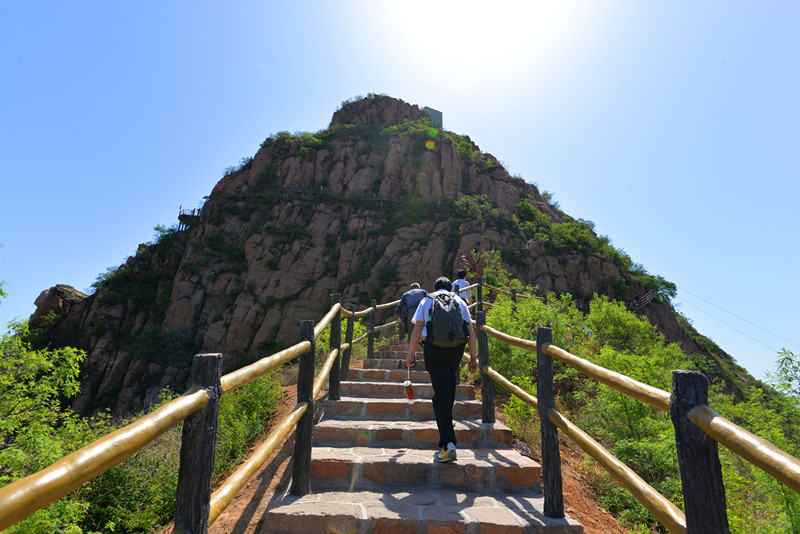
673	126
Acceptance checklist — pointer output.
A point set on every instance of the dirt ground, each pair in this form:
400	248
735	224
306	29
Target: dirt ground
246	512
580	502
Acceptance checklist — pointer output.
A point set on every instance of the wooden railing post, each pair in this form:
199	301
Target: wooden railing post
514	299
401	331
480	293
348	339
301	462
198	446
551	455
487	384
698	458
371	331
335	344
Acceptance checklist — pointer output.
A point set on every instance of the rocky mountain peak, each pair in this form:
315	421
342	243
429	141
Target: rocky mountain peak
377	110
375	202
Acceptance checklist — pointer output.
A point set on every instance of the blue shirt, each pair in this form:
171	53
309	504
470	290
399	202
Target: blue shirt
459	284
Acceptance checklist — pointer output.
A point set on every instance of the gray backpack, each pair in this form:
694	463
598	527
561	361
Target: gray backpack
446	326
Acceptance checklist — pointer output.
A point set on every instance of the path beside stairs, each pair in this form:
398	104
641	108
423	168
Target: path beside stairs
372	468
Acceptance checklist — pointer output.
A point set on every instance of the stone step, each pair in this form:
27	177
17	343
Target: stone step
389	375
414	434
414	511
392	363
396	347
396	390
484	470
396	355
396	409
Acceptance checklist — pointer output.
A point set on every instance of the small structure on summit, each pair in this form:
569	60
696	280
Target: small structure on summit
435	115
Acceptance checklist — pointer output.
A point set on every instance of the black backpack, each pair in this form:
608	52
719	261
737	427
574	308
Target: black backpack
446	326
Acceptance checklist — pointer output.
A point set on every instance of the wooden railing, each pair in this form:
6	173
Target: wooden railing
698	429
196	507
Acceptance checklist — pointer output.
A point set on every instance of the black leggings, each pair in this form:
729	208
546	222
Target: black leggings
443	364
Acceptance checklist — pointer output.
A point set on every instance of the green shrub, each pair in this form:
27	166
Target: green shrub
523	419
34	430
244	414
137	495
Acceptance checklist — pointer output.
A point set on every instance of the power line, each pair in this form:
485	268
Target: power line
730	326
738	317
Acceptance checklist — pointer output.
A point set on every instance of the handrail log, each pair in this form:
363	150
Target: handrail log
509	293
369	310
510	340
23	497
758	451
359	338
657	398
364	313
323	373
662	508
510	386
249	373
387	305
224	495
387	325
325	321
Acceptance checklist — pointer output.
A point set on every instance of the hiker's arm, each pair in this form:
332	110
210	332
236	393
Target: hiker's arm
473	351
413	343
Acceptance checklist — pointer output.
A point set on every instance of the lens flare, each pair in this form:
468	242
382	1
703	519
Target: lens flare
340	526
430	144
433	132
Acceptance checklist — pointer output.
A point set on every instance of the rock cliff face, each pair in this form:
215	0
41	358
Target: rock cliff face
378	200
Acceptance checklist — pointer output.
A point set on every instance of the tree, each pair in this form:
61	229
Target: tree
34	430
787	378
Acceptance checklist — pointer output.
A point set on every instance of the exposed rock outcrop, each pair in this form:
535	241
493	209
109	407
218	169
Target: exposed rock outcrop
53	304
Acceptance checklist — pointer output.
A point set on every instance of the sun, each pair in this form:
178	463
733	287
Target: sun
465	38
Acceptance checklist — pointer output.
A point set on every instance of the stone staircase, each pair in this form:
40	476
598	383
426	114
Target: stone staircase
372	468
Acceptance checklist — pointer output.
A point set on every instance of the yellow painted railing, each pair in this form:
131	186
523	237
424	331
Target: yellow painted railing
224	495
662	509
758	451
782	466
23	497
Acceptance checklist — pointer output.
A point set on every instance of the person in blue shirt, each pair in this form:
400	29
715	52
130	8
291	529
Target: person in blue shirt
460	284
